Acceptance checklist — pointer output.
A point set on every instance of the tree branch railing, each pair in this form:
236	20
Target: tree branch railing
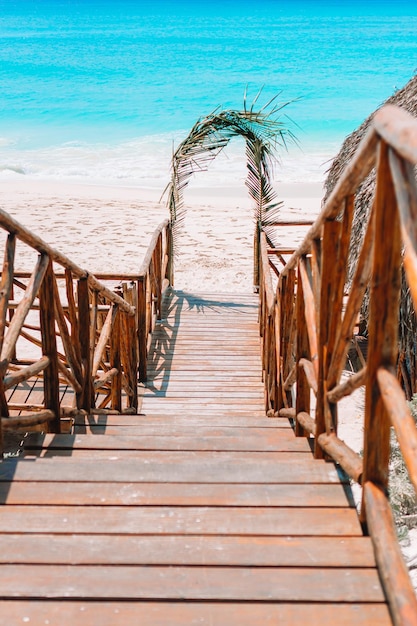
66	327
308	323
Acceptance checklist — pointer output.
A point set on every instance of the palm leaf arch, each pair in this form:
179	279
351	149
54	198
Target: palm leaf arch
263	131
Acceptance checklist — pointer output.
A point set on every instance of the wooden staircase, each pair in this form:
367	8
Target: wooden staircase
197	510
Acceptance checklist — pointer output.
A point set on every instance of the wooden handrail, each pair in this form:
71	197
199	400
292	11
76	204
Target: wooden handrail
155	276
35	242
84	334
312	325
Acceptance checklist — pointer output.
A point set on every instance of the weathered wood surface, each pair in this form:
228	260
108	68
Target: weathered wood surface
181	613
200	509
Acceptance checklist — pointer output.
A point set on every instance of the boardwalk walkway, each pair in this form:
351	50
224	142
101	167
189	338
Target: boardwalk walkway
198	510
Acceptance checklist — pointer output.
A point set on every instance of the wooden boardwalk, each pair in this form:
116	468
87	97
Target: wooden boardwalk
198	510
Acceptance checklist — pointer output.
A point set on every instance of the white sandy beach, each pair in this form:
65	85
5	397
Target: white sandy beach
108	228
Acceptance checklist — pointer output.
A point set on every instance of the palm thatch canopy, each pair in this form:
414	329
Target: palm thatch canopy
407	99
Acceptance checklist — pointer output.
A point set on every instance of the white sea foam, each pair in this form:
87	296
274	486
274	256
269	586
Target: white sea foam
146	162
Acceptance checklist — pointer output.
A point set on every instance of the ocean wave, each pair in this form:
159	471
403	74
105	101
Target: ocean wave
146	162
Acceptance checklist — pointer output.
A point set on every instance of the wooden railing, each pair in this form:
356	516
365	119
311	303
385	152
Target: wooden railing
308	323
64	326
155	275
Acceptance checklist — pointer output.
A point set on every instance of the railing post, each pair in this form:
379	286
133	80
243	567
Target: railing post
256	256
286	337
326	413
129	338
142	329
383	325
302	402
158	276
86	396
170	252
115	362
49	349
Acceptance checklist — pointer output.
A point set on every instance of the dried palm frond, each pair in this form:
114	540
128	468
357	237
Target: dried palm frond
263	131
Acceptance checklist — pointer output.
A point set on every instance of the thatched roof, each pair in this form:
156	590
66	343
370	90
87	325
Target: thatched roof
407	99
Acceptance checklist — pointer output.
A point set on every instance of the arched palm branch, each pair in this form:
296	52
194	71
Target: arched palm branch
263	131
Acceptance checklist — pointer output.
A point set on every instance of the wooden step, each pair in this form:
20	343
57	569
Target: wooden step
197	510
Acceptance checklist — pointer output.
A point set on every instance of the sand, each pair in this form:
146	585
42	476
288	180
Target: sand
109	228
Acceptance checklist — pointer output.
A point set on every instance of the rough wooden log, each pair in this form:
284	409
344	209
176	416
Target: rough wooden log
49	348
26	372
383	324
85	400
6	283
359	284
326	414
144	268
302	402
310	374
289	413
15	406
345	389
70	353
291	223
103	339
68	377
72	314
266	276
307	422
23	309
342	454
25	421
142	329
105	378
340	275
406	194
130	349
400	417
13	226
291	378
356	170
310	314
392	569
398	128
288	329
115	363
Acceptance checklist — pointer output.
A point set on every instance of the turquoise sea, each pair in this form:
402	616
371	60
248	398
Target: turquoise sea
102	90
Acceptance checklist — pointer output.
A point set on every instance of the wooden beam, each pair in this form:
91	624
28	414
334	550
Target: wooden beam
392	569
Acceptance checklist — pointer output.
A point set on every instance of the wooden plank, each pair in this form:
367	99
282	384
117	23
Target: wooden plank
112	455
252	419
173	467
184	381
205	391
39	613
164	494
262	441
192	550
208	358
221	404
192	583
125	430
208	459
